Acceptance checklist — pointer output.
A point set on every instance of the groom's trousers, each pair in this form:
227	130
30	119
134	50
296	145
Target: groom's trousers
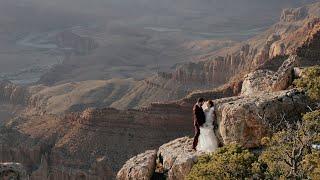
196	137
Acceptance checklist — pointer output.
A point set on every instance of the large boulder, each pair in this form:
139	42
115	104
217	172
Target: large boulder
175	158
256	82
178	157
285	75
247	119
140	167
262	81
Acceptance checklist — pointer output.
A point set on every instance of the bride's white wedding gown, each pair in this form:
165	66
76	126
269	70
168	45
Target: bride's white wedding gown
207	139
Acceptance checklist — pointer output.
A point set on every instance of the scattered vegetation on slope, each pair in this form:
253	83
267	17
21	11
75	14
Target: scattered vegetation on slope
289	153
310	81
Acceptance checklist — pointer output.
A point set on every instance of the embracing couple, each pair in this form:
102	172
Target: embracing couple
204	120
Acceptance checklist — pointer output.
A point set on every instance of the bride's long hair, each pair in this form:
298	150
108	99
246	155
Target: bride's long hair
210	104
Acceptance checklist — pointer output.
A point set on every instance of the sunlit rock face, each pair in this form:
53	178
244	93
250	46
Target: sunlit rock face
139	167
176	158
247	119
269	81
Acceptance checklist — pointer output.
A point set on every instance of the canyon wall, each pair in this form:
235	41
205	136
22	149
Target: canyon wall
296	32
89	144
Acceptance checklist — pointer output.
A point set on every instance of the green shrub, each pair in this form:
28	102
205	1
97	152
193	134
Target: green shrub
229	162
311	165
289	153
310	81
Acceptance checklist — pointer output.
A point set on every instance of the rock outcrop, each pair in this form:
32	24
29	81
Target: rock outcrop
257	81
176	158
247	119
140	167
268	81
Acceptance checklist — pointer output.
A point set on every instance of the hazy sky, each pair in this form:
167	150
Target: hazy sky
172	13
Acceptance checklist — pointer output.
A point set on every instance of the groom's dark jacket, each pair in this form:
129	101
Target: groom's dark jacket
199	117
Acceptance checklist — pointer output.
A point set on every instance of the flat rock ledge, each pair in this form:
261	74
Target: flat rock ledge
176	157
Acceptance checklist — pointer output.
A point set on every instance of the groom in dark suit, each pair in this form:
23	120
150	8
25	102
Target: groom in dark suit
199	119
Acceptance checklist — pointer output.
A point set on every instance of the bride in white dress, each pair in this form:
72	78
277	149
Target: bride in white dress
207	140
